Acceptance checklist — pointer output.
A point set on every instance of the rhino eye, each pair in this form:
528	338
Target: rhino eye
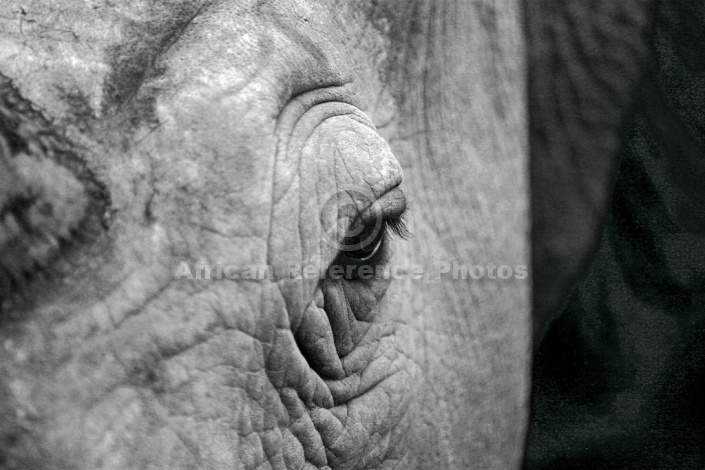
367	244
368	247
366	253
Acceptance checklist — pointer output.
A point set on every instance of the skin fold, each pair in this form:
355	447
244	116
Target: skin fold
215	132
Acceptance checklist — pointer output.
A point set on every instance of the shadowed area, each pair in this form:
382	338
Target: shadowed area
618	378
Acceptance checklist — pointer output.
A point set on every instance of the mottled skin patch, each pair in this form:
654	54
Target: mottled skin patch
46	193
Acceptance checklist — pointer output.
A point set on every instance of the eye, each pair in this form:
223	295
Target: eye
368	243
368	247
365	242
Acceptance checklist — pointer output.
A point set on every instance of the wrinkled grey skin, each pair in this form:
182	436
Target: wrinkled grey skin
219	130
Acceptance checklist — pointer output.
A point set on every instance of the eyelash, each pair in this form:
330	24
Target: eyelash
397	227
391	227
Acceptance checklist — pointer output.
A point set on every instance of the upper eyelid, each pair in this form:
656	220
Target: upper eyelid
392	204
